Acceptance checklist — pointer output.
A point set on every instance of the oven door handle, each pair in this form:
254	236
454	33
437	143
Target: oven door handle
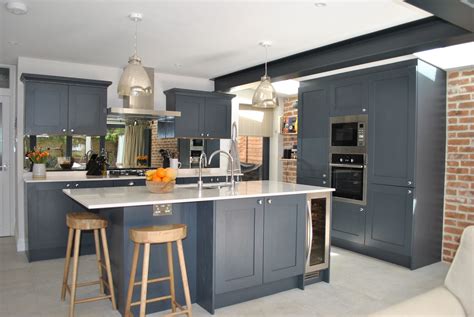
347	165
309	230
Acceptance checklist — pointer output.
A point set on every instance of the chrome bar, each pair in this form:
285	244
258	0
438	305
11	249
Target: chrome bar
347	165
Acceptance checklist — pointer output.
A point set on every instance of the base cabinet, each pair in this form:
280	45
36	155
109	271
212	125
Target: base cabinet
258	240
348	222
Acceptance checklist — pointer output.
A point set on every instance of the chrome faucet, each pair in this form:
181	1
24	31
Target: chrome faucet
202	159
232	181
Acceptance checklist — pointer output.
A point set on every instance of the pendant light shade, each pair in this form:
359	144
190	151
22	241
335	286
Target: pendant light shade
265	95
134	80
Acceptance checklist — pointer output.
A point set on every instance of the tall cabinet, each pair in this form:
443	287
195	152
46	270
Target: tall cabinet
406	106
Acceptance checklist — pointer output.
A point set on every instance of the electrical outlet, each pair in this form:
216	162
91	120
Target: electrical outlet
163	210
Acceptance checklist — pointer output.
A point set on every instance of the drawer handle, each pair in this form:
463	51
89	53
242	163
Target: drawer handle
269	201
259	201
76	185
68	185
131	184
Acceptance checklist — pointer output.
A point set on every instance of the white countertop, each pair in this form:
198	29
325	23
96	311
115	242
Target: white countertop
78	176
114	197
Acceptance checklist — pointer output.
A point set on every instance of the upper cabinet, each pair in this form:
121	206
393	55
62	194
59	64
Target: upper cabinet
349	96
60	105
203	114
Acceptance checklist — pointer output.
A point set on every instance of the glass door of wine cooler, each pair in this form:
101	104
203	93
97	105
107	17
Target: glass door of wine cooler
318	232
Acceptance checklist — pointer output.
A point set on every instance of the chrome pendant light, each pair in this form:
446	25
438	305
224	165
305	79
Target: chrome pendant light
134	80
265	95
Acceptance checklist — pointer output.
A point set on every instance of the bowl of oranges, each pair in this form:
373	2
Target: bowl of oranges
161	180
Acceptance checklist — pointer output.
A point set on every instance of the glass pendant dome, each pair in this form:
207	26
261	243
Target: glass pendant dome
134	80
265	95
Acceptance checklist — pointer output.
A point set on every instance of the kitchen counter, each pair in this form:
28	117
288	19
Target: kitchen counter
99	198
241	244
78	176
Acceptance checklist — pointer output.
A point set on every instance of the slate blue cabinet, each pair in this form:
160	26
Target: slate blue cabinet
46	108
46	211
313	136
349	96
258	240
348	221
392	127
389	218
60	105
239	244
203	114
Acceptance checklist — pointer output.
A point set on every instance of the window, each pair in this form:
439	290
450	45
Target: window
56	146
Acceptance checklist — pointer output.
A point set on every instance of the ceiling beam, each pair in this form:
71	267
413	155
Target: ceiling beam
457	12
397	41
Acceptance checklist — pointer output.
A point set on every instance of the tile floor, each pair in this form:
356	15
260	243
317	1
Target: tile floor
359	286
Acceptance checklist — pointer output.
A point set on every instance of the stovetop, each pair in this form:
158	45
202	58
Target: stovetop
127	172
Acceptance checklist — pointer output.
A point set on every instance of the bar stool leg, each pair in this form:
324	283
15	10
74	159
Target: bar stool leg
67	262
146	259
184	276
171	273
133	272
77	245
107	265
97	252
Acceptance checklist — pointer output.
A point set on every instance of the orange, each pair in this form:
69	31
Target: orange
161	172
156	178
167	179
171	173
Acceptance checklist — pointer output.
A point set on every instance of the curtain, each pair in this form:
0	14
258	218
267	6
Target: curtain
134	144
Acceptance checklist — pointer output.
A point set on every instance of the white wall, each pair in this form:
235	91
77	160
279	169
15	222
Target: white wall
97	72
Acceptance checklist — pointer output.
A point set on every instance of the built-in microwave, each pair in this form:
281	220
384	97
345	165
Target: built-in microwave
348	133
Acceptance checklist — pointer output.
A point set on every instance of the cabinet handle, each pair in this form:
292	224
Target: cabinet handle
76	185
362	209
269	201
364	110
324	182
202	134
409	191
131	184
72	130
207	134
409	182
324	175
68	185
259	201
64	130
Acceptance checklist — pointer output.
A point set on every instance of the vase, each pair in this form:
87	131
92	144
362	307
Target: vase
39	170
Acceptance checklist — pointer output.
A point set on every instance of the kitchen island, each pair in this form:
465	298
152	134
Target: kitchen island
242	244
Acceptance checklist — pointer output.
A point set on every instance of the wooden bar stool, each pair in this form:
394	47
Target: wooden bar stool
77	222
152	235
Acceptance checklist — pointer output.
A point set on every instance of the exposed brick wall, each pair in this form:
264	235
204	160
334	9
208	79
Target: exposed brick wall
459	189
251	149
288	166
157	144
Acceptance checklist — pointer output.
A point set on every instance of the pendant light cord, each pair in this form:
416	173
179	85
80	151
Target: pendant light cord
136	37
266	59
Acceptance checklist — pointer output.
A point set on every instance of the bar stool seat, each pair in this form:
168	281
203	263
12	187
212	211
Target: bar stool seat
77	222
154	235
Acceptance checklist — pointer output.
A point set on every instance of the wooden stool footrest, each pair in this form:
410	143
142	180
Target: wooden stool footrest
182	312
154	280
153	300
92	299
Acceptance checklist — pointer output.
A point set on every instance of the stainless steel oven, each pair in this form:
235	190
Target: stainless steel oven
349	177
318	233
348	133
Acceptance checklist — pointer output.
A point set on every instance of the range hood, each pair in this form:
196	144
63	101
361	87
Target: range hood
141	107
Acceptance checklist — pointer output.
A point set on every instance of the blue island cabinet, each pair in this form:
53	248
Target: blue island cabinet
235	250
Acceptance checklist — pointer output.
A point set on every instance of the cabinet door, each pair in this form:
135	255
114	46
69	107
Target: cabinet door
189	124
348	221
46	108
284	237
392	127
389	218
313	137
47	207
217	118
87	110
349	96
239	244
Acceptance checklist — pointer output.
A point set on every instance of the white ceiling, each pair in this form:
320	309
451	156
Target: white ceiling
206	38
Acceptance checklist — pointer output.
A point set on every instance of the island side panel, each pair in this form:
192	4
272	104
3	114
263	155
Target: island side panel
121	261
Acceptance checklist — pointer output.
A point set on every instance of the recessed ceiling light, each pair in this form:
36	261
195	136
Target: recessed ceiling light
16	7
13	43
178	65
320	4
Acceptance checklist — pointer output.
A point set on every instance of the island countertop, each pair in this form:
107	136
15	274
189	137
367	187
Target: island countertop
113	197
